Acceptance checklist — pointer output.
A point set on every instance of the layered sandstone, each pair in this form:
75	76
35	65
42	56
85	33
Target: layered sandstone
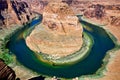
6	73
14	12
60	33
105	14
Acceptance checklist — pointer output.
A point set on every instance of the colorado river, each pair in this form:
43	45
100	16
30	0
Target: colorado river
102	43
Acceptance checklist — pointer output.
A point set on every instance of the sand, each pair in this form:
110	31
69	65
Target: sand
115	30
113	68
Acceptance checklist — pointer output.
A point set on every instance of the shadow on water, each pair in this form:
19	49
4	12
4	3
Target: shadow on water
38	78
102	43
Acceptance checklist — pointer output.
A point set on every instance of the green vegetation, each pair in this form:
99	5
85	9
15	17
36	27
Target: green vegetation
5	35
6	57
4	39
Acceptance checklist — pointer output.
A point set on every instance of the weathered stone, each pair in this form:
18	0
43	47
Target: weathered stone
60	33
60	19
14	12
6	73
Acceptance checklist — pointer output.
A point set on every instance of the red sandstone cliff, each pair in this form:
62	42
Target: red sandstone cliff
19	11
14	12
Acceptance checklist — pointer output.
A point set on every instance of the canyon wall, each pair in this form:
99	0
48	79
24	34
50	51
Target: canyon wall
14	12
20	11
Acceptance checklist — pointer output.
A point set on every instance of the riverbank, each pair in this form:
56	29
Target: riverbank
5	35
18	67
10	59
110	69
26	73
112	29
70	59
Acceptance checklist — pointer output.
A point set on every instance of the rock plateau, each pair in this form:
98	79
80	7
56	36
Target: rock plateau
59	34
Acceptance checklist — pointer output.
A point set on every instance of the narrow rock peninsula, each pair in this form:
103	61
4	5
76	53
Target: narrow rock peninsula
59	34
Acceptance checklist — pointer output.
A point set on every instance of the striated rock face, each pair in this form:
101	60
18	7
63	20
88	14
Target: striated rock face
14	12
60	33
6	73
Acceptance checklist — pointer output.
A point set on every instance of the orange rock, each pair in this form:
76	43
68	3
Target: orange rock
60	19
60	33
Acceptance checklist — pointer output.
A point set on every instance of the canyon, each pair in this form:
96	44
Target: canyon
103	12
23	10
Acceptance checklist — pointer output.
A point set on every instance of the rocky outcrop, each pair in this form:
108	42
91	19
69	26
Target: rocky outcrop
67	1
6	73
14	12
60	33
95	11
60	19
20	11
115	21
37	6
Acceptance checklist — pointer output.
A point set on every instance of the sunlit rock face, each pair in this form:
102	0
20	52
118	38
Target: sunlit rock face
14	12
59	34
60	19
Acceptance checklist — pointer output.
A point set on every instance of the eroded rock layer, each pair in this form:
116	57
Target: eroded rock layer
6	73
60	33
13	12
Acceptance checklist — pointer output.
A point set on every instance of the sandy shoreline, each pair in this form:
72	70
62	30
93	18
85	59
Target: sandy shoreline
24	73
115	31
113	66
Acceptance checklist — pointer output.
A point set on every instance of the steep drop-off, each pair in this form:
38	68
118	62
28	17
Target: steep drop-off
6	73
14	12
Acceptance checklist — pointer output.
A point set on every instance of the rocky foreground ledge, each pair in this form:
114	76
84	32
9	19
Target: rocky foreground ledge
59	34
